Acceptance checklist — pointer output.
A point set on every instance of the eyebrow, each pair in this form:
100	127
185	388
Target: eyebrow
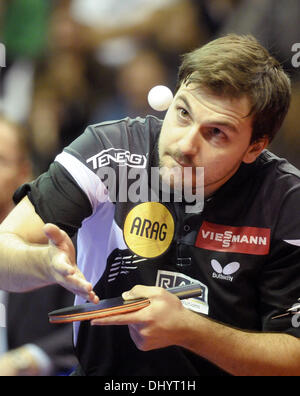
186	102
225	124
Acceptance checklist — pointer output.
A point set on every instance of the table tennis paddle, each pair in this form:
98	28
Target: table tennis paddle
115	306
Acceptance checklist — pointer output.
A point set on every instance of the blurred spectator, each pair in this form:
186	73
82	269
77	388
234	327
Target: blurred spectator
37	347
141	48
91	46
64	96
133	82
24	33
83	77
29	344
68	84
214	13
180	29
15	166
267	20
112	19
25	27
120	29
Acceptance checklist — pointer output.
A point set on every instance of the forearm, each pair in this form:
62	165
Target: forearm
242	353
22	265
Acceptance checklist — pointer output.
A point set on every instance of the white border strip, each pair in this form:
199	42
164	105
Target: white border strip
88	181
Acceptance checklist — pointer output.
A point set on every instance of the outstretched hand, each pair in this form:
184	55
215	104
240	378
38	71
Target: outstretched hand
63	269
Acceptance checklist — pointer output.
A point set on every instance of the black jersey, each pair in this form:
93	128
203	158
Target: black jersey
243	248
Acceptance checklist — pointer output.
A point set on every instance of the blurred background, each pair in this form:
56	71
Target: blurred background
70	63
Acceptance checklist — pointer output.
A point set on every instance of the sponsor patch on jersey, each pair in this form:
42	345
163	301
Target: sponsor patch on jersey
149	229
220	238
225	273
119	156
167	279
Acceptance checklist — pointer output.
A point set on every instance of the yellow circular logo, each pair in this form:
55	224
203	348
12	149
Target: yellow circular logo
149	229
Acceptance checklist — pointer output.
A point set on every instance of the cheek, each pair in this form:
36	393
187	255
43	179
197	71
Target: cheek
170	133
220	166
166	138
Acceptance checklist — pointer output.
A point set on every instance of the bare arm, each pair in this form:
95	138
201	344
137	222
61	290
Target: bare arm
166	322
33	255
243	353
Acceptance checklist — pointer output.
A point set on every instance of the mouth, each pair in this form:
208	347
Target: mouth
180	161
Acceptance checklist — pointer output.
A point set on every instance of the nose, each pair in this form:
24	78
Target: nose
189	142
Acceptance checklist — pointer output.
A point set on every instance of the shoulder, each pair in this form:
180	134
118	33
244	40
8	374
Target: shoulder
123	142
281	190
278	172
128	134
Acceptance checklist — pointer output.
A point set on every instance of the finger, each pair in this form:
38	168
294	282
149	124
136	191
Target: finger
140	291
72	279
66	270
78	285
84	291
135	335
118	320
62	265
54	234
93	298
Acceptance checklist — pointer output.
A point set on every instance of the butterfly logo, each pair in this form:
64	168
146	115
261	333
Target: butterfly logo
226	272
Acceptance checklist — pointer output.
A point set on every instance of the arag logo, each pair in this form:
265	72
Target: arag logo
226	272
149	229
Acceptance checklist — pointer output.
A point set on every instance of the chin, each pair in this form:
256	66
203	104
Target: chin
166	161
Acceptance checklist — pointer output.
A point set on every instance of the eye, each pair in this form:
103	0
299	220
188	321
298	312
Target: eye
216	132
183	114
216	135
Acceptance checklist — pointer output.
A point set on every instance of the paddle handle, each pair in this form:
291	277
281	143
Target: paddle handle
187	291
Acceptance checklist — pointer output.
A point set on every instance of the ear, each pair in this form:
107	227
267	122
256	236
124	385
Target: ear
255	149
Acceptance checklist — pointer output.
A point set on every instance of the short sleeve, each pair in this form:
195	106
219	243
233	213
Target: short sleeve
57	199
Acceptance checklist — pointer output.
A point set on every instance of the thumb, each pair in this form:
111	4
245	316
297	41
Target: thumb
54	234
139	291
61	240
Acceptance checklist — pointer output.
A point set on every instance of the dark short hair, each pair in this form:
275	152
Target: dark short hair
236	66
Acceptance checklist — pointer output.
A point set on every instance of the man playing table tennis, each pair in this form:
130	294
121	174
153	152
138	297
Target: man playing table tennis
242	247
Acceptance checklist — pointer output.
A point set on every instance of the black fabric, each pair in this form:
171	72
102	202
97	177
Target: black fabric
66	205
243	248
27	322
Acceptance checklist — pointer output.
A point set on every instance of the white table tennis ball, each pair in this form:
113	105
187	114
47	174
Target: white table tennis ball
160	98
